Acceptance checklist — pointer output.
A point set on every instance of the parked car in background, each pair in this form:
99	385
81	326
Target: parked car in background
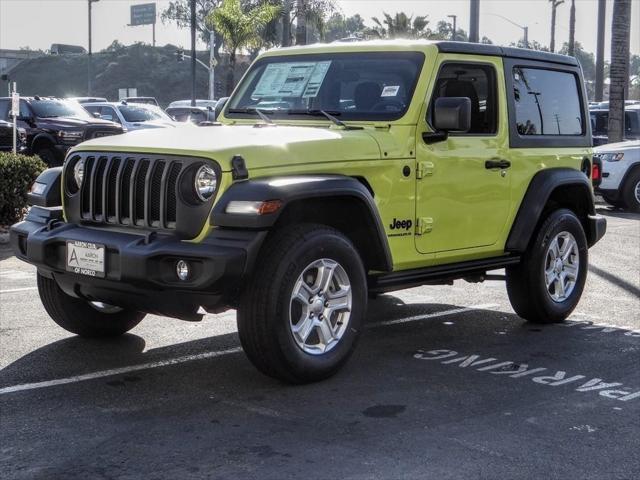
132	116
82	100
620	184
6	137
145	100
600	123
199	103
53	125
195	114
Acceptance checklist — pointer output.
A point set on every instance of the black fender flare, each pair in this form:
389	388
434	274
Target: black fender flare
289	189
541	187
51	193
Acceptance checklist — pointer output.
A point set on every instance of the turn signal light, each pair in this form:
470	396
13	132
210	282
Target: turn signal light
243	207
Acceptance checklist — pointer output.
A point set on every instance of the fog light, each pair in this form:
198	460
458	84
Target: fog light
182	270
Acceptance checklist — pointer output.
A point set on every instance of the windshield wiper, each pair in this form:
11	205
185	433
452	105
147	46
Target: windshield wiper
329	114
257	111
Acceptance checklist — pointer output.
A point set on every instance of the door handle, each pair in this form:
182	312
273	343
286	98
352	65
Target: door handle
497	163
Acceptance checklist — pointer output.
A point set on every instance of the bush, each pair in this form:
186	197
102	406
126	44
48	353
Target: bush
17	174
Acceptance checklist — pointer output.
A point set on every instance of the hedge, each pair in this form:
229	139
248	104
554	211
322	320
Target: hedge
17	174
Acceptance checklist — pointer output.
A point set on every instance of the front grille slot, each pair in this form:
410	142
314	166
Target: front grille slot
130	191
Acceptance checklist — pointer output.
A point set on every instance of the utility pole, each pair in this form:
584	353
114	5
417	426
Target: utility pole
554	6
89	58
453	33
474	23
572	28
602	10
193	52
525	29
212	65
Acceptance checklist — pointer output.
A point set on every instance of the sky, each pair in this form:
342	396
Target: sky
39	23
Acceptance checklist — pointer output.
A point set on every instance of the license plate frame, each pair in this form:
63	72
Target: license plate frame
86	258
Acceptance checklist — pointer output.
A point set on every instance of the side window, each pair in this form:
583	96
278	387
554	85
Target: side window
547	102
109	113
478	83
4	109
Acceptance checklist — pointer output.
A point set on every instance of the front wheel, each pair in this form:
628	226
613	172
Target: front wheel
547	284
302	312
631	191
87	319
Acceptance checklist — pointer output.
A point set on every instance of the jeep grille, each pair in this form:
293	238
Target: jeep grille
135	190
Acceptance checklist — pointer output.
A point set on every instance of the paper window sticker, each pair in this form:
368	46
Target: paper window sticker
390	91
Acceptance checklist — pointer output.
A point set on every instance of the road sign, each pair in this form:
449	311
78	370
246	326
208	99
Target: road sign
144	14
15	103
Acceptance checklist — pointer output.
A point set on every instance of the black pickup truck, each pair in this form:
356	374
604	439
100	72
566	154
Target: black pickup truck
53	125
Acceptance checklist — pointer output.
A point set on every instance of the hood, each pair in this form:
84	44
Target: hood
616	147
67	122
261	147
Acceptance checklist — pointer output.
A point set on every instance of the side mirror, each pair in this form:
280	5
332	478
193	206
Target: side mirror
220	106
452	114
97	114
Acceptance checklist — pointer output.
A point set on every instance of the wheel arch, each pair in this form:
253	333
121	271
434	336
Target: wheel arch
42	140
551	189
342	202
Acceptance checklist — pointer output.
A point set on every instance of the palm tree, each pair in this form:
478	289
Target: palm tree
554	5
619	69
240	28
400	26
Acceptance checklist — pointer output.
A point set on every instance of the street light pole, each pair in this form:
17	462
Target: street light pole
525	29
453	34
474	24
193	52
89	60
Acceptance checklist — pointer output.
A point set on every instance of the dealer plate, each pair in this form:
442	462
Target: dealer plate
85	258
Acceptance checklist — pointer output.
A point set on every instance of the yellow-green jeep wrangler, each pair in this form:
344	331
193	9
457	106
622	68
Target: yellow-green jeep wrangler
336	172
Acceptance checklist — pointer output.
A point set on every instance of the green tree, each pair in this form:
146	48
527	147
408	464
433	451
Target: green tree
400	25
444	31
240	28
338	26
310	16
586	60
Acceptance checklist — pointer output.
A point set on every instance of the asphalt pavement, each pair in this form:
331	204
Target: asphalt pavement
447	382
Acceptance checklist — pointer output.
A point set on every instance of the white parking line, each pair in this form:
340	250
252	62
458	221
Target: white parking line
205	355
453	311
13	290
118	371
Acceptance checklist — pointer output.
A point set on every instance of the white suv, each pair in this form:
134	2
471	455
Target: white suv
620	174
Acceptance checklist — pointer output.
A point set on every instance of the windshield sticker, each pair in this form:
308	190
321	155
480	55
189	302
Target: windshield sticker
295	79
390	91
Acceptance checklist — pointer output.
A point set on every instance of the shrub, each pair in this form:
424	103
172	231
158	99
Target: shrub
17	174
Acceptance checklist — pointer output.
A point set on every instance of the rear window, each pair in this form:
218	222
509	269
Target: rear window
547	102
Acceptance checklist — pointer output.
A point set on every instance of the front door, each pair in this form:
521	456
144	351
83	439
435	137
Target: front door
463	184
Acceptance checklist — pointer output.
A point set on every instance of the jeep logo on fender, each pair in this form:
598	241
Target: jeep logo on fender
400	224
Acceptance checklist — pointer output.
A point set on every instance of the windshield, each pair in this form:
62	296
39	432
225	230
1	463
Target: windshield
354	86
58	108
138	113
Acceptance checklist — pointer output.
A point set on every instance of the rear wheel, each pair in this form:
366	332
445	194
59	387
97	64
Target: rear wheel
301	315
631	191
87	319
547	284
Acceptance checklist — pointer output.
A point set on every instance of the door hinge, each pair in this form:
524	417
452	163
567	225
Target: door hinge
424	169
424	225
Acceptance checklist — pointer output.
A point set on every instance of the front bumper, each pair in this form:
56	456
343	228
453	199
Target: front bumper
140	267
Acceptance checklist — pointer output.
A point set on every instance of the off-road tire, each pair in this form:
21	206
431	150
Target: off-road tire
79	317
526	284
48	156
631	203
263	315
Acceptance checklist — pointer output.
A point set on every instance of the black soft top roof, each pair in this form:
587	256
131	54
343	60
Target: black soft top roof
511	52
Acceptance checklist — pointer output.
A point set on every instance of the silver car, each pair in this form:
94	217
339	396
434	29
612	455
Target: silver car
132	116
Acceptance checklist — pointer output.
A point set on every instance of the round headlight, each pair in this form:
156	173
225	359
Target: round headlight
206	182
78	172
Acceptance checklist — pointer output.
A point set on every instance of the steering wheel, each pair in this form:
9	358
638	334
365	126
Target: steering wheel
383	105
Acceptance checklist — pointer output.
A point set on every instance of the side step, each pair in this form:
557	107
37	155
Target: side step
388	282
